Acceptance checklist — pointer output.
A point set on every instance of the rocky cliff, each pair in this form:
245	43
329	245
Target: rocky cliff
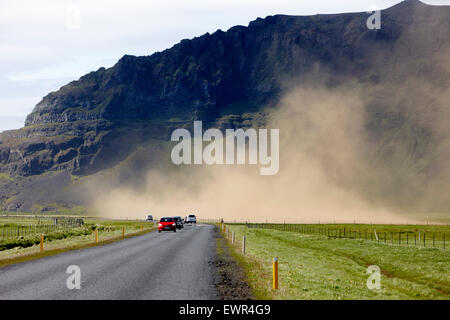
225	79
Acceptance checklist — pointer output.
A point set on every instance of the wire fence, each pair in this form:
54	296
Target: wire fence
204	220
12	227
406	238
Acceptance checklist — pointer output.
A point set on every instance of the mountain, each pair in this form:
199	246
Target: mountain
227	79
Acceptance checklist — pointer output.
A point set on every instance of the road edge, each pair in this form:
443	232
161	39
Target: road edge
231	279
52	252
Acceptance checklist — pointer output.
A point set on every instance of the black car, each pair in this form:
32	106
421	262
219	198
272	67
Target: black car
179	222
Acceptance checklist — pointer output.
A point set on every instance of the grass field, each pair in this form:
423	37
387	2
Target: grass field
417	235
21	248
313	266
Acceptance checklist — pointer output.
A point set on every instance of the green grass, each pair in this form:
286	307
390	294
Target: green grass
23	221
35	239
6	214
54	209
403	233
22	249
58	210
5	176
317	267
20	230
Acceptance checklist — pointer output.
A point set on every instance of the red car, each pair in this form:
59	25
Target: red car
167	224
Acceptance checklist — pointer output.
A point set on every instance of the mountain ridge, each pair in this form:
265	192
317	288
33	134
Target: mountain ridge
227	79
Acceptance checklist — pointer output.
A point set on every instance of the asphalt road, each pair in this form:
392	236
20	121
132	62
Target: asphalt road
156	266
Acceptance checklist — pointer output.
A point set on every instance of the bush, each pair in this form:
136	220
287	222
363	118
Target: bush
36	239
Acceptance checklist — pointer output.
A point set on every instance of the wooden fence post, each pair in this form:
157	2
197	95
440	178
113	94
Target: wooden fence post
275	273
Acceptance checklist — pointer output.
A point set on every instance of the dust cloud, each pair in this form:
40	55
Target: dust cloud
333	166
370	150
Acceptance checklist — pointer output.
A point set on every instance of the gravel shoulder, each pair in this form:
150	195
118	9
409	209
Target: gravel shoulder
231	280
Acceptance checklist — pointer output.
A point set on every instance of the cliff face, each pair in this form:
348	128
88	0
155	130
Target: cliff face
222	78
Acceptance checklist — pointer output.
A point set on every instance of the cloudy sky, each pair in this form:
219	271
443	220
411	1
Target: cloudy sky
46	43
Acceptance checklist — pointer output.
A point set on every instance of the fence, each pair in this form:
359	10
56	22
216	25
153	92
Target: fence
413	238
209	220
19	226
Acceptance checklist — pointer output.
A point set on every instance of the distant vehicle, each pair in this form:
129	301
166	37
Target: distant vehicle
191	219
167	224
179	222
149	218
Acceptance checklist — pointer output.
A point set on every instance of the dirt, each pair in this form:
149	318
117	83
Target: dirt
231	281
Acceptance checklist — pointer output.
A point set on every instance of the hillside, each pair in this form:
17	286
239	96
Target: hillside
119	119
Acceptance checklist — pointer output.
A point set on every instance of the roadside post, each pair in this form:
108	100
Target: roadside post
142	228
243	245
123	231
42	242
96	236
275	273
232	239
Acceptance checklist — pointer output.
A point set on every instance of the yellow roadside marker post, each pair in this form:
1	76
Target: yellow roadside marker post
42	242
275	273
142	228
96	236
123	231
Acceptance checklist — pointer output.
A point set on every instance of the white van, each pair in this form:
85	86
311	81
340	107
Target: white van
190	219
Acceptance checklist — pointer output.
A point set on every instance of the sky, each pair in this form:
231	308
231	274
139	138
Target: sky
47	43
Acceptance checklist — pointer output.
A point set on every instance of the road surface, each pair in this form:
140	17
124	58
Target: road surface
156	266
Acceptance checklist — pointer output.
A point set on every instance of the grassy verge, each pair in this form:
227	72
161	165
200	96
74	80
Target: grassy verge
317	267
395	234
231	278
109	231
34	239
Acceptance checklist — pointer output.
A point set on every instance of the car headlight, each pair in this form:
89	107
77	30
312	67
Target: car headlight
160	225
174	224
